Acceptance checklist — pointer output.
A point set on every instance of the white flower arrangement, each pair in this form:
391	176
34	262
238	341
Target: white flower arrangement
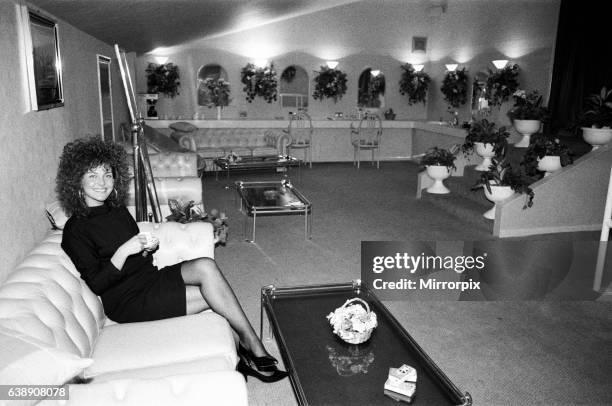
353	322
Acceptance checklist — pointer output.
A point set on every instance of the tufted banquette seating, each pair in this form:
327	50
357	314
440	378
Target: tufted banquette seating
176	177
53	329
210	143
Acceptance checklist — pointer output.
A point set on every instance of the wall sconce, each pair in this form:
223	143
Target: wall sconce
451	67
375	72
161	59
500	63
332	64
419	67
260	63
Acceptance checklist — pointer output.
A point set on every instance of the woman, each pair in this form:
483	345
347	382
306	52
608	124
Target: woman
104	243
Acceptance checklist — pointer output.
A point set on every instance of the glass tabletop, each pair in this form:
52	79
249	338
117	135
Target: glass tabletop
271	195
325	370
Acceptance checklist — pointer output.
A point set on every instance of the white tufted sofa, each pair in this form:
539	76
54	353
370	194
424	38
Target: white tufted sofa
176	177
212	143
53	328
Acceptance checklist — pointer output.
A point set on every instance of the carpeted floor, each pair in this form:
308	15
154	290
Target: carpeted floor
502	352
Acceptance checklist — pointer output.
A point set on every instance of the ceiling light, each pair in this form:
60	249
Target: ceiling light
332	64
500	63
418	67
451	67
161	59
375	72
261	63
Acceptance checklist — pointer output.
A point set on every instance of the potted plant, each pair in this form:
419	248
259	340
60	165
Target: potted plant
163	78
217	93
438	163
501	84
259	81
454	88
188	212
527	114
329	83
500	182
596	119
546	154
489	141
369	96
414	84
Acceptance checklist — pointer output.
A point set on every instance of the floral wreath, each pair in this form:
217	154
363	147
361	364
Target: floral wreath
414	84
259	82
454	87
501	84
329	83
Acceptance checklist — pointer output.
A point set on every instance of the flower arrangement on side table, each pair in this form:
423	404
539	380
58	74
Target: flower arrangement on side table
190	212
260	82
528	106
163	78
353	323
455	87
414	84
501	84
329	83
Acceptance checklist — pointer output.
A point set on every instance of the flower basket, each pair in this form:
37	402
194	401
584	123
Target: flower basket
353	323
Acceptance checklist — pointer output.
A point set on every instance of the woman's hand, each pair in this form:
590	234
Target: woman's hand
135	245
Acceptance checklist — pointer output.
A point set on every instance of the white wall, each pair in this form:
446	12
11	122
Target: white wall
32	141
376	33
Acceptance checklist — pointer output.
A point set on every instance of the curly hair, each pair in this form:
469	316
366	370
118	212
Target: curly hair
82	155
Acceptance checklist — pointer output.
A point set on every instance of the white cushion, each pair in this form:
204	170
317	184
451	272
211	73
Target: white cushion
226	388
56	215
162	342
27	361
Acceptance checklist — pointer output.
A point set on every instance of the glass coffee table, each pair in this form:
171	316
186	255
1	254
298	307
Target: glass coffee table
273	198
324	370
255	163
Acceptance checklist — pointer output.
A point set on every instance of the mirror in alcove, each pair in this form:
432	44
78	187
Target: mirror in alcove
479	103
211	71
294	87
371	93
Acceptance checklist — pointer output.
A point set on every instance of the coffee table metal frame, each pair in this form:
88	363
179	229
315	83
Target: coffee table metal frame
250	209
270	292
253	163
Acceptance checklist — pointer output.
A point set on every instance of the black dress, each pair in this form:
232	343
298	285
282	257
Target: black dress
137	292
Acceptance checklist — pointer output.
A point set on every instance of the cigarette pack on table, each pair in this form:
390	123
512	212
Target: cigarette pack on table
401	383
405	373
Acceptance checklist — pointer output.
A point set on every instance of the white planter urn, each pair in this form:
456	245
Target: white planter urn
526	128
486	152
438	173
219	112
549	164
597	136
498	193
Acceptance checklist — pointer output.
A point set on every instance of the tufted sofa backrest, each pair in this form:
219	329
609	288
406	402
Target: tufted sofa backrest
234	137
44	297
169	164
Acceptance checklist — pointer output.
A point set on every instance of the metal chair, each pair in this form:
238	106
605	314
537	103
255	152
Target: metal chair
367	137
300	134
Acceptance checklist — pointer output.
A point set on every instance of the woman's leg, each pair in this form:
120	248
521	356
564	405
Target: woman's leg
216	293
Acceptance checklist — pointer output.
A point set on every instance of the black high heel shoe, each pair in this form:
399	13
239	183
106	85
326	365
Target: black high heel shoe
251	365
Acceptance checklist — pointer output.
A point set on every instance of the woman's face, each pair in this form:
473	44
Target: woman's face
97	183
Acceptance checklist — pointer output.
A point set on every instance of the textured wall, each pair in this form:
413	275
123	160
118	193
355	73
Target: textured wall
33	140
378	34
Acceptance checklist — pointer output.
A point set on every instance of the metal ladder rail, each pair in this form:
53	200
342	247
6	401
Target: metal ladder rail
603	241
